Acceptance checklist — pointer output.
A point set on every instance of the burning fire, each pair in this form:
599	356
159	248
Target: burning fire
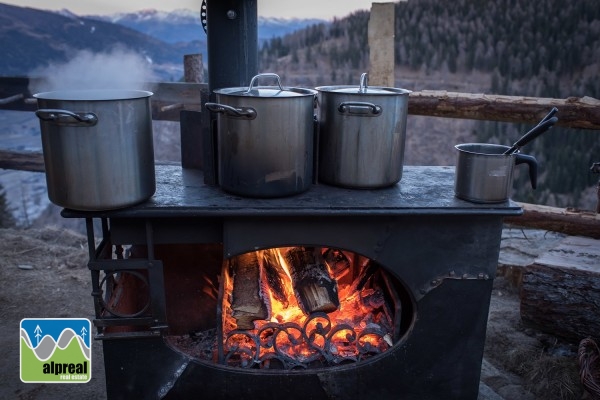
299	307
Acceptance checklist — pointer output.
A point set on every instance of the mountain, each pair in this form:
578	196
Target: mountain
171	27
34	39
185	25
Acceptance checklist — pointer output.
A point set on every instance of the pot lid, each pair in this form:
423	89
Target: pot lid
93	95
373	90
363	88
265	91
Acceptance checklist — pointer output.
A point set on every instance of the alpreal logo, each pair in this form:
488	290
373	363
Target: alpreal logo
56	350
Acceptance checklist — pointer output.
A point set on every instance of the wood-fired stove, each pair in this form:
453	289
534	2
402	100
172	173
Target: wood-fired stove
442	251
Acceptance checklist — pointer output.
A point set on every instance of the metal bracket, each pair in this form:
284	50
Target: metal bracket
436	282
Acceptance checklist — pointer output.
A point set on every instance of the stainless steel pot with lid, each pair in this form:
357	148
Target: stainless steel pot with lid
265	138
362	133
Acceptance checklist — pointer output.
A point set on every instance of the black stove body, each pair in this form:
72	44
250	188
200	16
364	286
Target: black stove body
443	250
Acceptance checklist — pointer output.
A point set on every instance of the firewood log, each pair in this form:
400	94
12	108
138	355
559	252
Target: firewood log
560	292
248	303
340	266
314	287
275	278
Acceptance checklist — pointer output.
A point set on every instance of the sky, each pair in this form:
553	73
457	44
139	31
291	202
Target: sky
266	8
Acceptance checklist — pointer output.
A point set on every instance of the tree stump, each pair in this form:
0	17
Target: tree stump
560	292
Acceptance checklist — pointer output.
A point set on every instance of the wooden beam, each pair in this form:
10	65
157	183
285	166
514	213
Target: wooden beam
22	160
573	112
563	220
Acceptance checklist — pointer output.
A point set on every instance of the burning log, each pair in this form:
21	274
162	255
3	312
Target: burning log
314	287
274	276
340	266
366	274
248	302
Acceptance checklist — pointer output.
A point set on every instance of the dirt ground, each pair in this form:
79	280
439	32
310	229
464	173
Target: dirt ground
43	273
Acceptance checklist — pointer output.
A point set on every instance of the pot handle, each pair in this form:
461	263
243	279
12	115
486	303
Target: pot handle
532	163
244	112
364	80
270	75
67	118
360	108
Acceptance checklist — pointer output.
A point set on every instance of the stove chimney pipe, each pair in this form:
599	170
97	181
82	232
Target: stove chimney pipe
232	35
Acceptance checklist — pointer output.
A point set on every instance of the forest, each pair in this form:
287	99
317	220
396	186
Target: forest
543	48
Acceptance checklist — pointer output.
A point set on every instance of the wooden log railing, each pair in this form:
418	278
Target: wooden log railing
170	99
573	112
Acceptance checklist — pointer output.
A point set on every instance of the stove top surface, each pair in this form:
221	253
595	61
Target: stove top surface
422	190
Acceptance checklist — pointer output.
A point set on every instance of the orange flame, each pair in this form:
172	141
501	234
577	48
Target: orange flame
359	321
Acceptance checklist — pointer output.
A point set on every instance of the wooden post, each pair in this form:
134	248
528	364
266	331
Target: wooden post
193	68
381	44
191	122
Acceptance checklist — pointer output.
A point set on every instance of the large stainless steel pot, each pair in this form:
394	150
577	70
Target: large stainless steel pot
265	138
362	134
98	149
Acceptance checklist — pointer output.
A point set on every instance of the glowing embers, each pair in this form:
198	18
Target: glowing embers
305	307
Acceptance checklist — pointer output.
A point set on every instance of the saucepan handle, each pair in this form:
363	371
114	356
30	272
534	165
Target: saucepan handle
242	112
67	118
532	164
360	108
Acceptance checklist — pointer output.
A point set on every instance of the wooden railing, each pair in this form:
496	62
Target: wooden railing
170	99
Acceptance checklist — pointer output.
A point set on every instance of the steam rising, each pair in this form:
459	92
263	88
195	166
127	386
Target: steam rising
118	69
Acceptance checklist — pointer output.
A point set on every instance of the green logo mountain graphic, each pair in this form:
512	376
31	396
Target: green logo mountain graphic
45	358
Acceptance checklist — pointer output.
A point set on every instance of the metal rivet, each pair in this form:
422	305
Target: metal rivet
231	14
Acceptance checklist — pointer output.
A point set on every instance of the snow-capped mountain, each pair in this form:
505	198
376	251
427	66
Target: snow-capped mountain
184	25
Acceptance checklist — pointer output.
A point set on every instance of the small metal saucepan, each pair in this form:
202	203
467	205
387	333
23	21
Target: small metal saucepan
484	172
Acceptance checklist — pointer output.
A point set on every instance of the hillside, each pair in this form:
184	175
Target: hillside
544	43
514	47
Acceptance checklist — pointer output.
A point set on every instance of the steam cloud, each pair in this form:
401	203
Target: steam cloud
117	69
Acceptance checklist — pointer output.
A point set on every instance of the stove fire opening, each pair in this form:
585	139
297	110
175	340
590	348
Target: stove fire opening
298	308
